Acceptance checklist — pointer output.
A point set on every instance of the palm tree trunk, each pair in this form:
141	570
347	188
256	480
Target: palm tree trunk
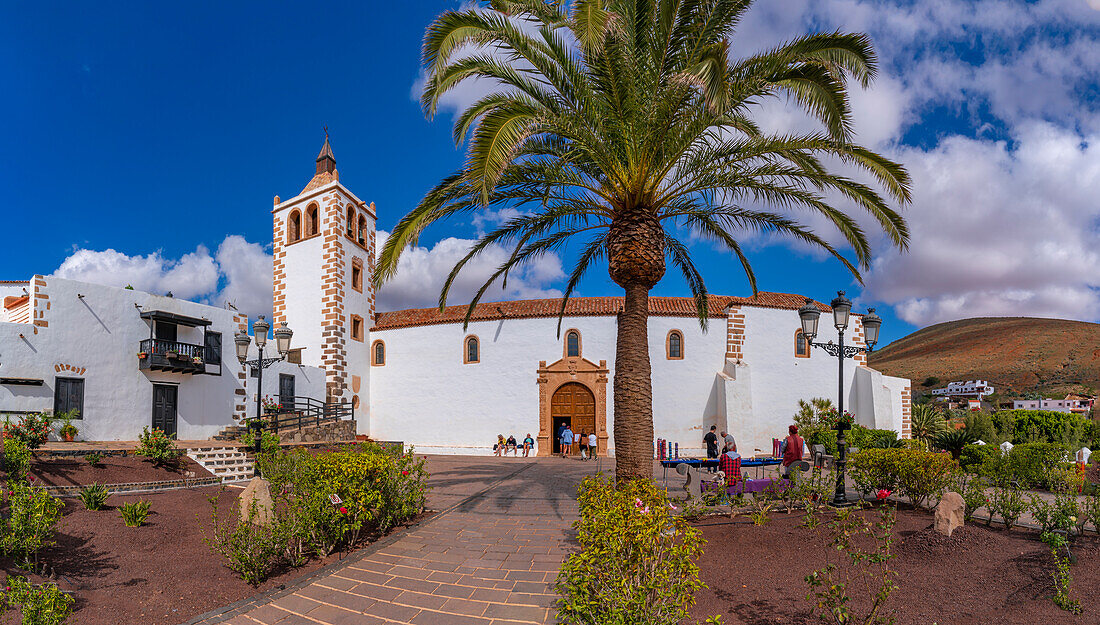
633	412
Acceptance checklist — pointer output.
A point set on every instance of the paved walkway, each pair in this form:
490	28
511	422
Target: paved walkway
489	556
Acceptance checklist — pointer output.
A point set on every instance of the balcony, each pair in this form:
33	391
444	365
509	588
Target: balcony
172	356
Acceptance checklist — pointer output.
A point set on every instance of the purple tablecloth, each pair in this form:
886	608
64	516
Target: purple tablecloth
747	486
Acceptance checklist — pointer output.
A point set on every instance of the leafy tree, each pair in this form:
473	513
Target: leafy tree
620	126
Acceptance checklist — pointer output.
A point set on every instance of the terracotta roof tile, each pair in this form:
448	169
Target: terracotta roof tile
580	307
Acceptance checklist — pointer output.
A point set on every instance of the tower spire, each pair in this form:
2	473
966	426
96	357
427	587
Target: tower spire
326	162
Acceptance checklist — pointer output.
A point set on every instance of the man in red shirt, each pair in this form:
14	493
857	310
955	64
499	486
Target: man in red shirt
792	449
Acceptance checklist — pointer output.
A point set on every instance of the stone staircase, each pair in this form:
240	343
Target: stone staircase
229	463
231	434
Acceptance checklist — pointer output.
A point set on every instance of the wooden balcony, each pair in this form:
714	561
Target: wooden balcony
172	356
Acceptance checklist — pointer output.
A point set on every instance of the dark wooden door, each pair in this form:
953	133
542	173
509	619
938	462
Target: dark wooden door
286	391
165	401
574	405
68	394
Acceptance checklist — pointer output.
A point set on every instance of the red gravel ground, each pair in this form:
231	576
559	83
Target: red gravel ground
110	470
159	574
979	576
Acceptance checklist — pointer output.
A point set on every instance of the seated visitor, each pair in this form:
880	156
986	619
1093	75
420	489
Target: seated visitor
730	464
791	448
510	445
528	445
498	449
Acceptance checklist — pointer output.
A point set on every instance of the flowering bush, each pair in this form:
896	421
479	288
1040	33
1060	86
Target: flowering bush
831	418
17	459
40	605
271	405
637	559
30	523
32	429
919	475
158	447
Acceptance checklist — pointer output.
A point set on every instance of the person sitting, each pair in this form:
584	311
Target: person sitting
528	445
729	463
791	448
498	449
510	445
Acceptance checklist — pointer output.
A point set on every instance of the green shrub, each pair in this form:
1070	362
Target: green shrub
251	550
1090	510
1061	514
30	524
973	457
919	475
94	496
41	605
93	458
980	424
1044	426
868	438
32	429
972	490
1031	465
17	459
637	559
1009	504
269	441
134	513
158	447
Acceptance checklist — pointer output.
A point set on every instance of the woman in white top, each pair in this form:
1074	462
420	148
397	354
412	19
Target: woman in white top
593	445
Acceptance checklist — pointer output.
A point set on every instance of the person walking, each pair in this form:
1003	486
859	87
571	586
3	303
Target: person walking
566	442
593	445
561	430
711	442
582	444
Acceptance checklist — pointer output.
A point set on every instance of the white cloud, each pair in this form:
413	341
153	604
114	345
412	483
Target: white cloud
246	270
999	230
422	270
190	276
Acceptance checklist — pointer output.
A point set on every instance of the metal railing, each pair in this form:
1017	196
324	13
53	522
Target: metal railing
188	351
302	412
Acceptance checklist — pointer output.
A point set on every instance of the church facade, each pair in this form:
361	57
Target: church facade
420	377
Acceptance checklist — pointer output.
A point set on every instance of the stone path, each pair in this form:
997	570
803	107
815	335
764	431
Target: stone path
489	556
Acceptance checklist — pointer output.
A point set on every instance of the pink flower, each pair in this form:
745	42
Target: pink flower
883	494
343	510
645	510
672	506
637	503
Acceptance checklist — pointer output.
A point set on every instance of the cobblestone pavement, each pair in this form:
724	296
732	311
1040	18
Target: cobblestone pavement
489	556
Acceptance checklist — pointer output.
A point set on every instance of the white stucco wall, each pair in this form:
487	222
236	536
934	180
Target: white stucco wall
303	286
100	334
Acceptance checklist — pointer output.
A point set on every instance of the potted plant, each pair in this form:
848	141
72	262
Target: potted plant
68	431
197	360
171	353
142	355
271	406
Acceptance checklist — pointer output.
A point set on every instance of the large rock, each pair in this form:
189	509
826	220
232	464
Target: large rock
259	492
950	513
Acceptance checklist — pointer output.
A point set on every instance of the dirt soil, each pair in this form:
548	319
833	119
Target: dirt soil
159	574
979	576
110	470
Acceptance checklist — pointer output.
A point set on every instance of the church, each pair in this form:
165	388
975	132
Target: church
416	376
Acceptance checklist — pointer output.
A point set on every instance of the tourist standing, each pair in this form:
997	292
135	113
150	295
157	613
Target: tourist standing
727	440
711	441
528	443
566	442
582	443
593	445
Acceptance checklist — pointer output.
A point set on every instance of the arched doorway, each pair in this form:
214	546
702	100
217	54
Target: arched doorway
575	406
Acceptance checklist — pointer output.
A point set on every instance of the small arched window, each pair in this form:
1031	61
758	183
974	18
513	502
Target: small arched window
674	345
573	344
361	231
311	220
294	227
801	345
473	350
378	354
351	222
356	327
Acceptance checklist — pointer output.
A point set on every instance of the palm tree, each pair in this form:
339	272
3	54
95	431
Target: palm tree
926	423
621	125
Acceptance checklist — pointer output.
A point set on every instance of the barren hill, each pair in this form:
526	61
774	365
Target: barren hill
1020	354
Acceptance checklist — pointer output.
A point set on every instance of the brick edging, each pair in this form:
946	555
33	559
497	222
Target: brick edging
136	487
224	613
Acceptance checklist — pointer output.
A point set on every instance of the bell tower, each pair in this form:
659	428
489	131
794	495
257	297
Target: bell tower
323	259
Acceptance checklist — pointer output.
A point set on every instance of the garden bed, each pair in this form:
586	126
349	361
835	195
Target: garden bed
979	576
159	574
54	471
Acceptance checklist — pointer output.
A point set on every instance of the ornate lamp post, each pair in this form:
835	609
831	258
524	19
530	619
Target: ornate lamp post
282	344
842	306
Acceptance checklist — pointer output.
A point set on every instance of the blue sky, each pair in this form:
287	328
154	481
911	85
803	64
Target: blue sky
144	142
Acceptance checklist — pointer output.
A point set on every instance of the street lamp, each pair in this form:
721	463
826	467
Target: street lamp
282	344
810	315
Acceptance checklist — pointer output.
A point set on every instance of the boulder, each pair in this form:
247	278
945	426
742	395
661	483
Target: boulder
949	513
257	492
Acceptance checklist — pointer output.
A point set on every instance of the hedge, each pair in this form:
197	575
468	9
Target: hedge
919	475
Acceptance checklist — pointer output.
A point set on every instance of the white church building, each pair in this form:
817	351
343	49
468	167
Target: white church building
417	375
